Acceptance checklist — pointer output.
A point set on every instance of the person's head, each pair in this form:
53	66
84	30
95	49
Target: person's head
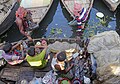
77	9
61	56
31	51
44	43
7	47
21	12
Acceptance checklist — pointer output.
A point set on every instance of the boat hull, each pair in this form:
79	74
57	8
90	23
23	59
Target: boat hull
10	18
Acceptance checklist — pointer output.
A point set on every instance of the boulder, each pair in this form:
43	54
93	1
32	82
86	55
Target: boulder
1	7
112	4
106	49
3	1
61	46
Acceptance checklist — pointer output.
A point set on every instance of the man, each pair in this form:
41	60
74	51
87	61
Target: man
81	15
24	21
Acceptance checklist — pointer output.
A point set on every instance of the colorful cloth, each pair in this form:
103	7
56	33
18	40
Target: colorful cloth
37	60
82	18
9	57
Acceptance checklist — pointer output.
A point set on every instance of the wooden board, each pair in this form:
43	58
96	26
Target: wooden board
38	8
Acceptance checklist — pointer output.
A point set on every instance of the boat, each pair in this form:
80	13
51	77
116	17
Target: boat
38	8
15	74
23	72
7	14
69	5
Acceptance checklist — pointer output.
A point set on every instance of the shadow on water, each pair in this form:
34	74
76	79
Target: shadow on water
40	32
59	27
68	18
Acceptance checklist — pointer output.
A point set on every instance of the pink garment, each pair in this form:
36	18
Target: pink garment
77	8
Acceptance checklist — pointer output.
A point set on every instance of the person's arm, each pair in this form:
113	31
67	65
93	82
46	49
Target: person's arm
68	69
63	71
16	45
20	25
40	46
21	28
23	55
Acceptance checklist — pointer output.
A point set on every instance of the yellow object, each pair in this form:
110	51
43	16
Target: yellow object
70	50
35	63
37	60
69	53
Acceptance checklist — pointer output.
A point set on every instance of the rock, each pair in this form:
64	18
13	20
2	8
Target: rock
2	82
106	49
6	9
3	1
8	5
112	4
1	7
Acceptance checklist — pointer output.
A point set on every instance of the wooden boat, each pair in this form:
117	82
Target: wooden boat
112	4
70	4
22	71
38	8
7	17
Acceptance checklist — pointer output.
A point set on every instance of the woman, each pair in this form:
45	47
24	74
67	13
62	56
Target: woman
36	58
13	54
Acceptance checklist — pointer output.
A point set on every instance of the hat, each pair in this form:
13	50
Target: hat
38	43
61	56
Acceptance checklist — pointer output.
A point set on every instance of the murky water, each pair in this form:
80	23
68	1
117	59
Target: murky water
55	23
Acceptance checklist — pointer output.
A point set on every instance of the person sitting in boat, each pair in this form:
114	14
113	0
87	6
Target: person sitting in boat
60	65
37	56
13	54
24	21
81	15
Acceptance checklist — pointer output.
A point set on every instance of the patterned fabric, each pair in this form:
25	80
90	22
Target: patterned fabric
82	18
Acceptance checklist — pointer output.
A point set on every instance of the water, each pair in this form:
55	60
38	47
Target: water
55	23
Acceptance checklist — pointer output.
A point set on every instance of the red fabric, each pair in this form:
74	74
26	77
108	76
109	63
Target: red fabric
80	27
